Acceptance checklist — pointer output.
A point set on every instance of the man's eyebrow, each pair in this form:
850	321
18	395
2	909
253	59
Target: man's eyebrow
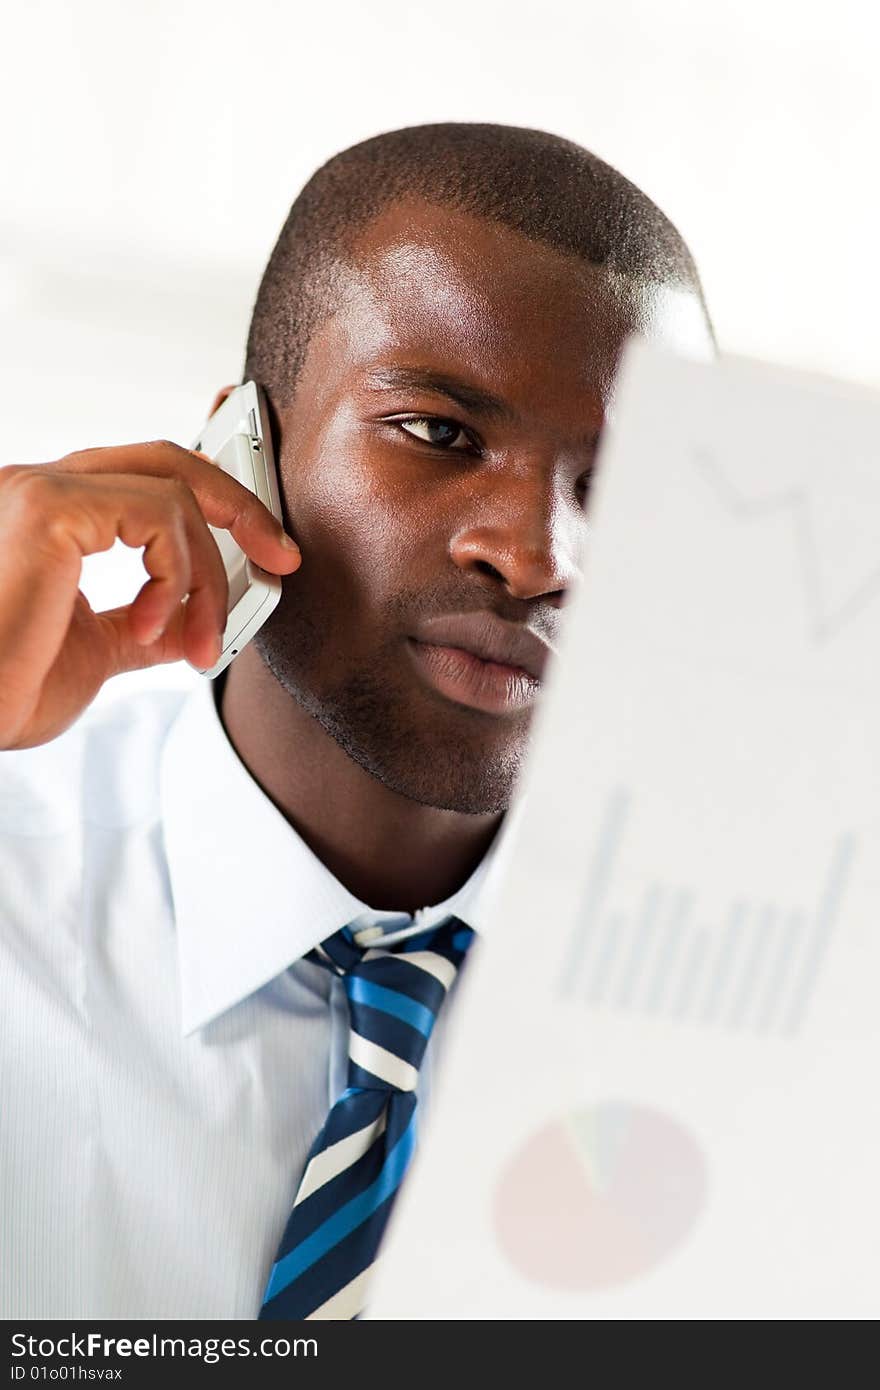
473	398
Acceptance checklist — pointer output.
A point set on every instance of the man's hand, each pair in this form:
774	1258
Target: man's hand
55	652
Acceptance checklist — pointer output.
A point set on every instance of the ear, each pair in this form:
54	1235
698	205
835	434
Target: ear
220	398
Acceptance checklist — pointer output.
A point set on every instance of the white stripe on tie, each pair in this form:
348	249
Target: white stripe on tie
436	965
429	961
348	1301
382	1063
339	1156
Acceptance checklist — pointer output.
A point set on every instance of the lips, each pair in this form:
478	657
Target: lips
480	661
489	638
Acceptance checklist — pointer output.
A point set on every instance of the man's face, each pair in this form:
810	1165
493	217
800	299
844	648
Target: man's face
435	462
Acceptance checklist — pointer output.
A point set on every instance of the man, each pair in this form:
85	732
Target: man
196	891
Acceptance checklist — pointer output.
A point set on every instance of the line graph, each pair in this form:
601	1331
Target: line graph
756	969
825	621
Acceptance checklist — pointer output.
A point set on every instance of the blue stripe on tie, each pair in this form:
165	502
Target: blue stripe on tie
396	972
311	1213
332	1272
391	1001
398	1038
321	1204
424	941
361	1108
337	1227
354	1109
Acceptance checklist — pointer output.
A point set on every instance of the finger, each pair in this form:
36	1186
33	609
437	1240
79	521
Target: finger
206	601
206	598
224	501
180	554
207	604
166	558
72	517
126	653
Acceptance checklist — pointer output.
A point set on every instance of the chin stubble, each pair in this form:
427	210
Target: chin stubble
369	727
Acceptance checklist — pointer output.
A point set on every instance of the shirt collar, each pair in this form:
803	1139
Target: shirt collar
249	896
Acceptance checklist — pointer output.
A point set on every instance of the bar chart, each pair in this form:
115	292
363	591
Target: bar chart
753	966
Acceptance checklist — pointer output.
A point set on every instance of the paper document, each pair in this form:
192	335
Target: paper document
659	1096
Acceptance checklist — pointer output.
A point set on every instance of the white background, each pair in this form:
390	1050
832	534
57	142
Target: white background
151	152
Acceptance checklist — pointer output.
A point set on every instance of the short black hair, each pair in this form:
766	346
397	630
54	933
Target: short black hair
542	185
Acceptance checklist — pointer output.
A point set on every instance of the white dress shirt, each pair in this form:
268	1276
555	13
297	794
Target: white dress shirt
166	1056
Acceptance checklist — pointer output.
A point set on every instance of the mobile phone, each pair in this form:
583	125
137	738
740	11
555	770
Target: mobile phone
237	437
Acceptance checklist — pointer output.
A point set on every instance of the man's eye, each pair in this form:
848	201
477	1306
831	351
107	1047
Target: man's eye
446	434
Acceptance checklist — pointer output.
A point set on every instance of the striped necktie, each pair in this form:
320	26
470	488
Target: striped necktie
357	1163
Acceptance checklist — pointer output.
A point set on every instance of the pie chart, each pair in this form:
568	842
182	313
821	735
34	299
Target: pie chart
599	1196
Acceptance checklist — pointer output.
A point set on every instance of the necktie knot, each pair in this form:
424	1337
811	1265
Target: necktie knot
394	998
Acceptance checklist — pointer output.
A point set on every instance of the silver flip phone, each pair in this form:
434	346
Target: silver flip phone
238	438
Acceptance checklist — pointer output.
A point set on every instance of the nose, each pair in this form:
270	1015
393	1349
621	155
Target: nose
523	534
